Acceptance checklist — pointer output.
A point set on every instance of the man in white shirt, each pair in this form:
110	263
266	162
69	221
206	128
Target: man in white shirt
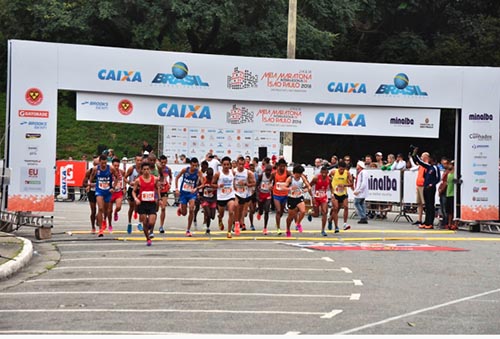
360	192
213	162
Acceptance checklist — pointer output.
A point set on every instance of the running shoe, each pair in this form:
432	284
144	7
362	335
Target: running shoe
264	231
337	229
149	242
188	233
93	230
309	217
179	212
288	234
421	226
110	229
243	228
207	232
129	228
237	228
347	227
135	215
162	230
299	228
330	225
252	228
428	227
221	225
104	224
101	233
139	227
259	216
323	233
151	235
115	217
278	231
229	235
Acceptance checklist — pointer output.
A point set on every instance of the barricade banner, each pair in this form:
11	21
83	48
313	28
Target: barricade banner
75	172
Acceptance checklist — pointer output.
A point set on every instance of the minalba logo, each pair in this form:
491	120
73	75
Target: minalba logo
401	87
179	76
184	111
119	75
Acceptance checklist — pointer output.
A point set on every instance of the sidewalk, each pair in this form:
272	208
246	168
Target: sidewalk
17	248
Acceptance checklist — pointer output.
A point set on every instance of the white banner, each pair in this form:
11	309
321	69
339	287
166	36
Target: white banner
32	129
382	121
198	142
205	76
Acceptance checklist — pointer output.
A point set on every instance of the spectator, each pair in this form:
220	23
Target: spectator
360	192
399	164
334	162
146	147
431	179
442	191
379	159
368	161
450	195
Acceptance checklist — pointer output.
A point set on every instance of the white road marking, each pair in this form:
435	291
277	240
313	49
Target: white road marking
385	321
156	250
355	296
203	267
190	258
327	259
93	332
358	283
198	279
346	270
307	250
331	314
292	333
239	294
112	310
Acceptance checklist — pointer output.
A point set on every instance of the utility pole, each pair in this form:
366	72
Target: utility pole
287	137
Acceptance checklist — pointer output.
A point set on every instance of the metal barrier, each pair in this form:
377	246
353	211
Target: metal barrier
13	221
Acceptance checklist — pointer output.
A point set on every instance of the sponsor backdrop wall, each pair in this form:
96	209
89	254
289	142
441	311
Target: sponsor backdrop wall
179	90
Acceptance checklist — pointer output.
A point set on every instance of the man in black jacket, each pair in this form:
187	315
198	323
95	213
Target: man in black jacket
431	179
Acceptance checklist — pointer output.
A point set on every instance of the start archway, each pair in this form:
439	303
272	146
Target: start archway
213	91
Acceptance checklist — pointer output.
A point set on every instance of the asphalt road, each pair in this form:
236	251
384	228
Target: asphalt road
81	284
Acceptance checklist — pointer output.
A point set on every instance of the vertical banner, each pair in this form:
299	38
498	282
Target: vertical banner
32	127
63	182
480	145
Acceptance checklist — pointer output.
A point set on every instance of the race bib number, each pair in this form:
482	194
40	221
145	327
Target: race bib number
340	189
320	194
240	189
226	190
148	196
265	186
104	185
281	186
187	187
295	192
208	193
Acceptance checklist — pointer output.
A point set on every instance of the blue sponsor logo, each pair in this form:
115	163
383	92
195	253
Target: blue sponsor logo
480	172
401	87
346	87
340	119
184	111
118	75
179	76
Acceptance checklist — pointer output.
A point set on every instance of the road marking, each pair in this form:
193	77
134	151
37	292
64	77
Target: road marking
307	250
95	332
331	314
346	270
354	282
343	269
385	321
292	333
146	250
195	258
113	310
327	259
355	296
239	294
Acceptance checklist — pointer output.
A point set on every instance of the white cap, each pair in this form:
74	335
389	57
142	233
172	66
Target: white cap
146	153
378	153
124	158
361	164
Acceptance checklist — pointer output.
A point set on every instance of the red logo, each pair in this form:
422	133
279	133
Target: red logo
26	113
34	96
125	107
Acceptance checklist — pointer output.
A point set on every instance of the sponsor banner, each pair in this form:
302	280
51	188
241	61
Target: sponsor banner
382	185
408	122
32	128
185	75
410	188
366	246
75	172
480	148
197	142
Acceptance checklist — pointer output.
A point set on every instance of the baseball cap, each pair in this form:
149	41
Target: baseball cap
361	164
378	153
124	158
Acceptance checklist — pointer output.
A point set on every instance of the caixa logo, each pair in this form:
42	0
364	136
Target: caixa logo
184	111
117	75
347	87
340	119
401	87
179	76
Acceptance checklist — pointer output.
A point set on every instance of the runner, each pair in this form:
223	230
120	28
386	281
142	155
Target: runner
264	185
341	179
187	192
280	191
165	183
90	190
243	180
321	184
197	203
117	196
224	179
145	192
297	184
252	191
103	173
131	174
208	198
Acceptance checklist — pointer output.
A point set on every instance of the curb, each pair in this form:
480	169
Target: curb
10	267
